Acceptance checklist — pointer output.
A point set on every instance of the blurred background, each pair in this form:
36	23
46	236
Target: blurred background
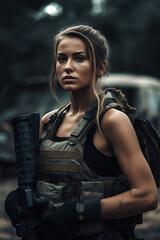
27	29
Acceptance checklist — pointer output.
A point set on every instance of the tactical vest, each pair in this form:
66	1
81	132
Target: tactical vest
65	176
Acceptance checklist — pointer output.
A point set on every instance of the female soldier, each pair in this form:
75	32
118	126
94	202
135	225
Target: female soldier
109	149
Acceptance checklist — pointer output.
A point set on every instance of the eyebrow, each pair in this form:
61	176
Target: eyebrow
76	53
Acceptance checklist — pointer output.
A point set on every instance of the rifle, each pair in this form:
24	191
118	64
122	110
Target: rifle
26	139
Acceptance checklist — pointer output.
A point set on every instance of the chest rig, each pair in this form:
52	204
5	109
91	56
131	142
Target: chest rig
64	175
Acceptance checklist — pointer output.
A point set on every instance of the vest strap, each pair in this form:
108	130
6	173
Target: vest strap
84	125
55	120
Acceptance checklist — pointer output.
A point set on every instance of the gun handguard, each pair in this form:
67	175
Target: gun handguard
26	138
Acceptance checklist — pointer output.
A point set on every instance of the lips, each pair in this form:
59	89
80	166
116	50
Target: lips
69	77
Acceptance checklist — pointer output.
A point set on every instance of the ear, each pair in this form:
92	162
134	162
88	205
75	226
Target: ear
101	71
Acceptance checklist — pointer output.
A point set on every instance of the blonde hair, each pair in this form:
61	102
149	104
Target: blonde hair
98	53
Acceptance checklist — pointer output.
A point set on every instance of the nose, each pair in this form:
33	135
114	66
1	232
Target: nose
69	66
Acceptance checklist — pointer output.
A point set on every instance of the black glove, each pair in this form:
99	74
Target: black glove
60	222
64	220
12	203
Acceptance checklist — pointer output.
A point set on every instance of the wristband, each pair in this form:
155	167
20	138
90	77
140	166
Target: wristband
92	209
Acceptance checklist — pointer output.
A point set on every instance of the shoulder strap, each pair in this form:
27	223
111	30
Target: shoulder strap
108	104
84	124
122	103
55	121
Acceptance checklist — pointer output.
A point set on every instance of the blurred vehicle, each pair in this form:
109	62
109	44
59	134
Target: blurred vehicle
143	92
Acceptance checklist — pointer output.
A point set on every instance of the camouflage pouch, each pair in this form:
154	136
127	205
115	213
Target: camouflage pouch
51	191
91	190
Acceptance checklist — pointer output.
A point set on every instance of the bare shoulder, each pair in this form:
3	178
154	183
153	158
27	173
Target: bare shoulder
114	122
46	117
113	117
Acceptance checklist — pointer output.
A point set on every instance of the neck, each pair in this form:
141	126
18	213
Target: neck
80	102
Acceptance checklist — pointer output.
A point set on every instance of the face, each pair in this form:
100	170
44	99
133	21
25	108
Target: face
73	67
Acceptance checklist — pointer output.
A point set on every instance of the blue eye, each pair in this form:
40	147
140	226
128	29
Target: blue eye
61	59
79	59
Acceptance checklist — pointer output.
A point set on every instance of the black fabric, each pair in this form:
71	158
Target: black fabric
59	139
92	209
61	222
98	162
64	220
109	235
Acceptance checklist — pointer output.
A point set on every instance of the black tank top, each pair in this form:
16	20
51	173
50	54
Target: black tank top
98	162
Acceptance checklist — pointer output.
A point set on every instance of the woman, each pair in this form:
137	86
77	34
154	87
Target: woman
110	148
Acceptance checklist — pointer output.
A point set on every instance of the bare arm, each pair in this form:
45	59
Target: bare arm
143	195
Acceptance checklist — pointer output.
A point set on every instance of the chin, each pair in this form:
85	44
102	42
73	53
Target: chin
75	88
70	88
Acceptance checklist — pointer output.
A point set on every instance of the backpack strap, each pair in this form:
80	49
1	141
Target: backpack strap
121	100
108	104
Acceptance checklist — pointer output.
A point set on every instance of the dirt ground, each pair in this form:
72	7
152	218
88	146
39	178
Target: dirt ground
150	230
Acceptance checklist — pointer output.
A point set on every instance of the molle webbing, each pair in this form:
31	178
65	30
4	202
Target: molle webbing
59	167
56	167
60	154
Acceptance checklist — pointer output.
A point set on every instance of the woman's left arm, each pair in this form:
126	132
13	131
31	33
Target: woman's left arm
143	194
